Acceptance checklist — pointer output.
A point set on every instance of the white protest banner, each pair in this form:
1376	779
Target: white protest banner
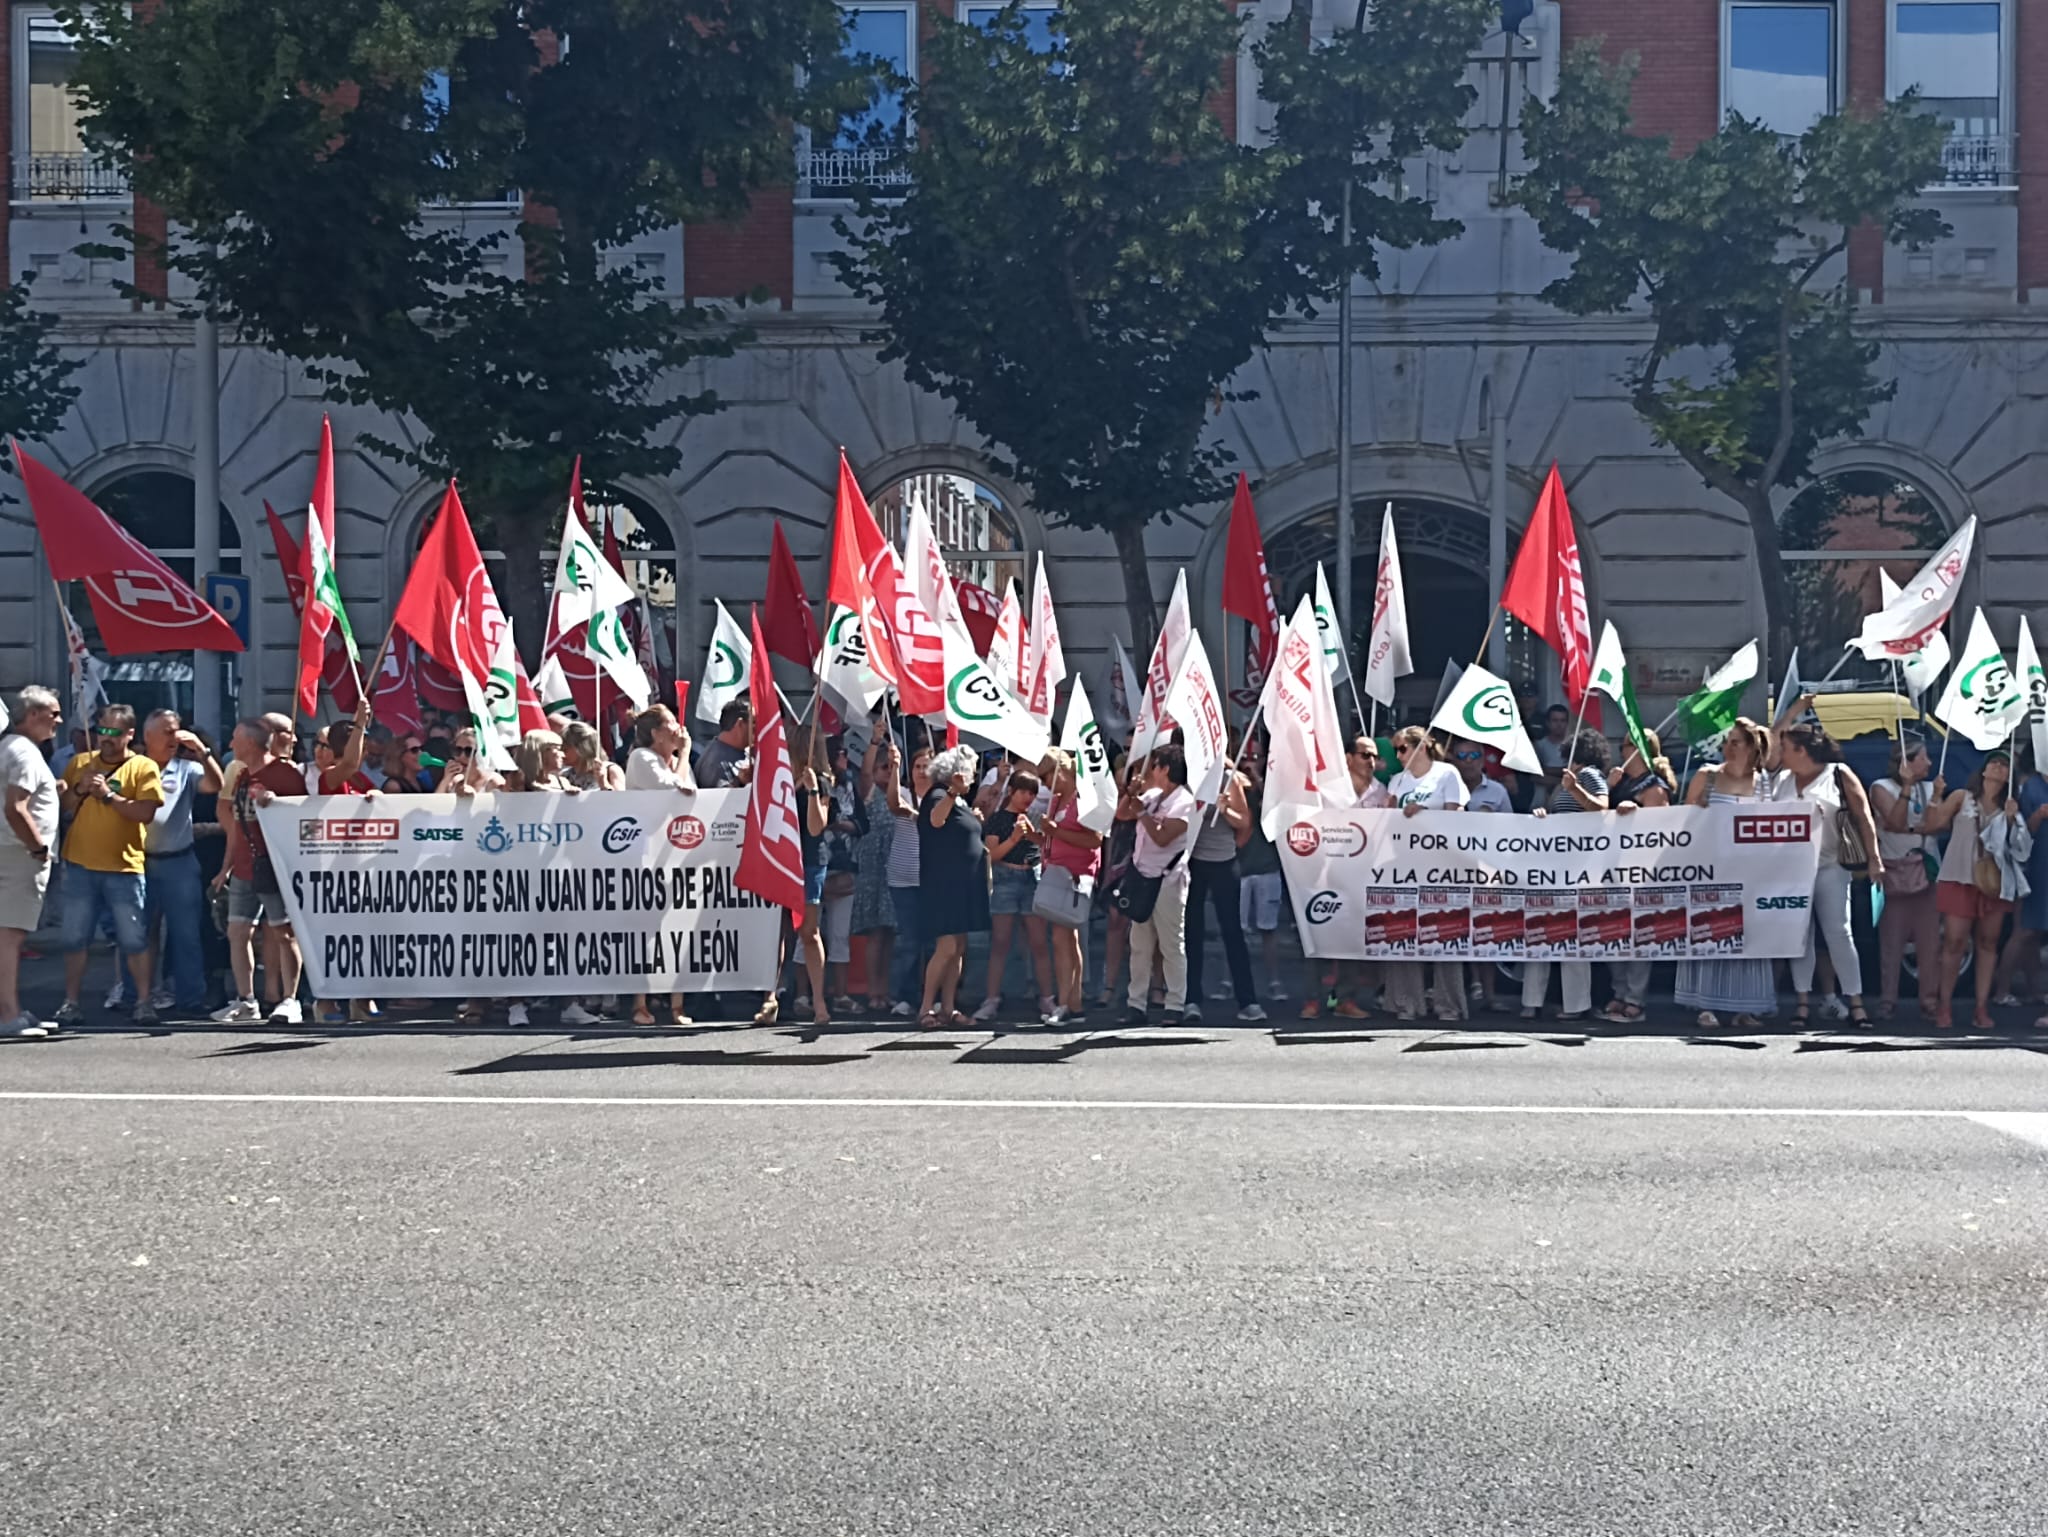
1684	882
1196	703
435	896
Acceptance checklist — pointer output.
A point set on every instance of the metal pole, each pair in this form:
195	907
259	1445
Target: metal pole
1344	531
1497	513
206	665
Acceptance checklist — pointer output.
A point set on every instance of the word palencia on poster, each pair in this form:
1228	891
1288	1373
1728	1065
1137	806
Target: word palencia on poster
516	895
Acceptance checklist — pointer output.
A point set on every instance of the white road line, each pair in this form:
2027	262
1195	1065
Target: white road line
2027	1125
1998	1120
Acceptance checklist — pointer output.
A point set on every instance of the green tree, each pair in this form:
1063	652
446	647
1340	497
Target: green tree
35	379
1086	256
1736	251
302	153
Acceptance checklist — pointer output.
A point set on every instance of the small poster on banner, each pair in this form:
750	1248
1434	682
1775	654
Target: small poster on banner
1716	920
1390	921
1444	919
1606	924
1661	921
1550	923
1497	922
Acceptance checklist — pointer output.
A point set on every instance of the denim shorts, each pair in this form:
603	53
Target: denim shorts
1014	891
814	886
89	893
250	903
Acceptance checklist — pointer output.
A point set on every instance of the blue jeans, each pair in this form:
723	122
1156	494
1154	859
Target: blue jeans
175	895
911	951
90	893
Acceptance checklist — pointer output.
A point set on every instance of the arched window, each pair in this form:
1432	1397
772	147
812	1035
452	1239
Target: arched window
157	507
977	533
1836	535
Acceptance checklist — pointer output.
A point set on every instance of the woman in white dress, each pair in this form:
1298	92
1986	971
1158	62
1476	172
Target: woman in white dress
1814	772
1745	988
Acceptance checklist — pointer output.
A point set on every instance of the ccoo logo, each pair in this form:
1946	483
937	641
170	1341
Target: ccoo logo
1324	906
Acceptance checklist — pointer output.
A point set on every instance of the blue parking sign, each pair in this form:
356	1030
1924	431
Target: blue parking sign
229	596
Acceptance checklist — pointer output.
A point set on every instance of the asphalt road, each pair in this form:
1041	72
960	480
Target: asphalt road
759	1283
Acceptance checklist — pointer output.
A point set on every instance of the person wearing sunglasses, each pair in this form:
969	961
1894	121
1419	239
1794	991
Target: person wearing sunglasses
113	795
1340	987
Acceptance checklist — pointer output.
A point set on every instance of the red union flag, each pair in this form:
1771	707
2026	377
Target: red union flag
1196	704
394	692
1546	590
904	647
771	852
1248	592
139	602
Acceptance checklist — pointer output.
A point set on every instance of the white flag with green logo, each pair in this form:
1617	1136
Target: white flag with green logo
1094	785
495	706
585	582
606	643
2034	685
1610	677
843	670
725	667
981	707
1326	624
556	697
1482	709
1983	700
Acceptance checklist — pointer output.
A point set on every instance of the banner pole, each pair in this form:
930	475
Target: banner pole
1487	639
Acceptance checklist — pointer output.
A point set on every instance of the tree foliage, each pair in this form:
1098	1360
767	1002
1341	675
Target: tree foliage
1086	255
35	379
1737	253
317	171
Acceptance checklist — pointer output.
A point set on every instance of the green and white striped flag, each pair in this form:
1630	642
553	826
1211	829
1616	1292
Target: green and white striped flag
1611	677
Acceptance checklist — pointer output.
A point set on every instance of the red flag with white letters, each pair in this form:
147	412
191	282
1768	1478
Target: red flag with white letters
1546	590
139	602
771	851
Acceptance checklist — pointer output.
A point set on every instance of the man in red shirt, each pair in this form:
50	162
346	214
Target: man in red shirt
254	895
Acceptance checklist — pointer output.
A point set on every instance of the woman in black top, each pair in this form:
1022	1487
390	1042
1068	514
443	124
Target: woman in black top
953	894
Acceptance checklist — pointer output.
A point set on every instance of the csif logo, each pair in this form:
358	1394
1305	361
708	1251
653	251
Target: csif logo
1491	711
1324	906
621	835
974	694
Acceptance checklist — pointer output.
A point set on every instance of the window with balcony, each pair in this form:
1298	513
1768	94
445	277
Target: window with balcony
1778	62
1956	53
51	162
883	37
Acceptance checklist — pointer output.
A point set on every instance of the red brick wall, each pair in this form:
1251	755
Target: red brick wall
1678	82
721	261
1864	23
2031	47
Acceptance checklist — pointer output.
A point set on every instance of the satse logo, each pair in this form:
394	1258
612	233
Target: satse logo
1324	906
620	836
685	832
1781	904
437	835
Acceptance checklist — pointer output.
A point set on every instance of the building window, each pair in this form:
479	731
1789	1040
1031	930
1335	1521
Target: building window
1835	536
869	142
977	534
1778	63
51	162
1955	52
1037	19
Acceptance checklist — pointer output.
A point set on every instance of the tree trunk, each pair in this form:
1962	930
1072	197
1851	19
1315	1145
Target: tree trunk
1770	565
525	589
1137	570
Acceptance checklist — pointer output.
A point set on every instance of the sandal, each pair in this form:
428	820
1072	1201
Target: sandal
1886	1009
1803	1015
1748	1022
1859	1016
929	1020
1983	1022
1620	1013
1708	1020
769	1012
642	1017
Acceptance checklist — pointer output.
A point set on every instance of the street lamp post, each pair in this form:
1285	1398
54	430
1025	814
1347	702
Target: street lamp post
205	504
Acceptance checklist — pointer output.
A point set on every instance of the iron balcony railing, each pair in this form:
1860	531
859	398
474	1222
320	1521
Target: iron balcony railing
68	176
832	172
1977	160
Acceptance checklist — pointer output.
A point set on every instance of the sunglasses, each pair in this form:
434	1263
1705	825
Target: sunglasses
115	730
1469	757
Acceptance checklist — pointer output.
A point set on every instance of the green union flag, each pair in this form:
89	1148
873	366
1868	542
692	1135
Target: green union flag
1708	714
1610	677
327	586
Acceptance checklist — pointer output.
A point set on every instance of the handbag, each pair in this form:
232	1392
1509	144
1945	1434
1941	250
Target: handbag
1062	899
1988	878
1850	853
1135	895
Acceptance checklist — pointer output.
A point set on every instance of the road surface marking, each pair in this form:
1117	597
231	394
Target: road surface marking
1999	1120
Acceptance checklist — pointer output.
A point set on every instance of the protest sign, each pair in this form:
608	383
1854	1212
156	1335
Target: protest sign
1670	883
434	896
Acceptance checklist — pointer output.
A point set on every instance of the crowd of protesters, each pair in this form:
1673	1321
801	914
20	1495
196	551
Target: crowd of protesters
918	850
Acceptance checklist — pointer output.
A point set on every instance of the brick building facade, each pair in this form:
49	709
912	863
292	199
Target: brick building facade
1450	337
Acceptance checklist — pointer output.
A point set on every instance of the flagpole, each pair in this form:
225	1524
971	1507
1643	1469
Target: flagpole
1487	639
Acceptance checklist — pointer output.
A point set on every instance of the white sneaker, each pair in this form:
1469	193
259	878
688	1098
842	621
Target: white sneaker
902	1009
1219	992
239	1011
1277	991
515	1016
117	997
288	1012
1832	1007
161	1000
990	1007
1052	1016
26	1027
1251	1013
576	1014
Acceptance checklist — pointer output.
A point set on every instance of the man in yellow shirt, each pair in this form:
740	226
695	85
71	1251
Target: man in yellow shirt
111	795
